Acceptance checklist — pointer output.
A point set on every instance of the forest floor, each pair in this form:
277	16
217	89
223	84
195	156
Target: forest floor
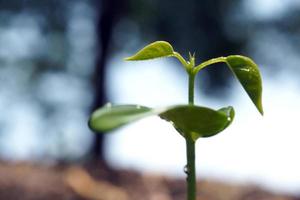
28	181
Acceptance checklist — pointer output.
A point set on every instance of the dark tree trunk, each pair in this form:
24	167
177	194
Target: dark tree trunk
109	12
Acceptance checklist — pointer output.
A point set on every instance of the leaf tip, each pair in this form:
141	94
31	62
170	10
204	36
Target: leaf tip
258	104
261	111
127	59
93	128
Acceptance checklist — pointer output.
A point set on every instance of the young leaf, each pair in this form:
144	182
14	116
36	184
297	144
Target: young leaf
248	74
190	121
108	118
154	50
194	121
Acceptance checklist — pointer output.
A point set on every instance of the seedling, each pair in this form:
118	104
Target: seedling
191	121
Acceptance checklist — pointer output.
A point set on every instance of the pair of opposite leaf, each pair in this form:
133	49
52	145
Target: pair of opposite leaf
189	120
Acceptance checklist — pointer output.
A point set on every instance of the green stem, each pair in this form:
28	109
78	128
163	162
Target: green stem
191	88
190	143
190	149
181	59
209	62
191	171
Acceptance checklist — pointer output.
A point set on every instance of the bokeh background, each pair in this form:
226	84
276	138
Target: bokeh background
59	60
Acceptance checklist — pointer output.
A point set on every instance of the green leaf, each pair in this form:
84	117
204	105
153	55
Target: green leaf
194	122
248	74
190	121
154	50
110	117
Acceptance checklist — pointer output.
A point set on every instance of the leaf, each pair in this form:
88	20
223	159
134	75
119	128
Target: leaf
190	121
154	50
194	122
110	117
249	76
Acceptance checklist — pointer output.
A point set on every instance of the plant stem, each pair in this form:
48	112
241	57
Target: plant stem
181	59
191	171
209	62
191	88
190	149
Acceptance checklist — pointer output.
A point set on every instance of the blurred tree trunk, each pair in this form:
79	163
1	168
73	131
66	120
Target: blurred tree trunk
109	13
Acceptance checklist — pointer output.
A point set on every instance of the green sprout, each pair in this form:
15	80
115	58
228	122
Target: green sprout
190	120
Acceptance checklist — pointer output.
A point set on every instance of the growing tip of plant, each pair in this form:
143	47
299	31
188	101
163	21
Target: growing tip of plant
192	59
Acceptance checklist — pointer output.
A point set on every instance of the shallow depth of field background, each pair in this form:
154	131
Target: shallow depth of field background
48	54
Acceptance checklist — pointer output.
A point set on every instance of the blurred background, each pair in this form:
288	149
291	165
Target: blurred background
59	60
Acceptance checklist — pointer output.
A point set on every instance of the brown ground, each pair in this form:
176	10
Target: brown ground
26	181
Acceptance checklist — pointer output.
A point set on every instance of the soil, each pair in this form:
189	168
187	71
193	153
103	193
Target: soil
28	181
